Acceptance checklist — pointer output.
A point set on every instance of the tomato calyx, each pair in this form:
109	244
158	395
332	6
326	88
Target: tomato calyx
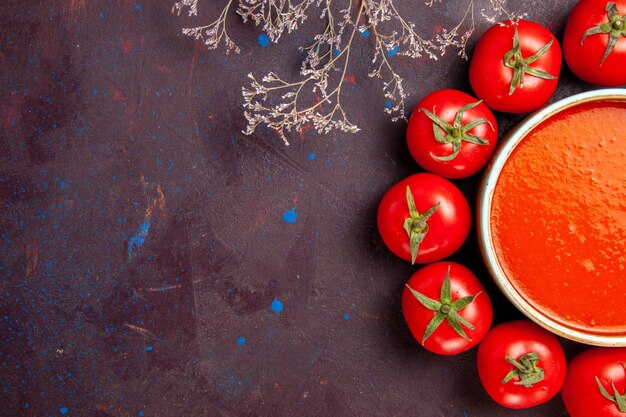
415	225
457	132
445	309
526	370
513	59
619	399
615	27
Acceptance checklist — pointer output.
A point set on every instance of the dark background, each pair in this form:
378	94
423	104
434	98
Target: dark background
144	237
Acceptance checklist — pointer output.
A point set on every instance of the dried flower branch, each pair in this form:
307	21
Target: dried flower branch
316	98
275	16
211	34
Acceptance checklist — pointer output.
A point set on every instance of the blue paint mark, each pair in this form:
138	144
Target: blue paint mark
63	410
392	51
290	216
388	104
135	242
140	414
241	341
138	6
94	91
337	52
346	316
277	306
365	34
64	185
465	414
263	40
149	348
311	156
101	15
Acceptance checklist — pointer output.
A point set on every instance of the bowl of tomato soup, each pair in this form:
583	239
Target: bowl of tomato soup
552	217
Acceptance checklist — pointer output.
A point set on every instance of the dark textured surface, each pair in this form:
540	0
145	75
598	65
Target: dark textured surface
144	237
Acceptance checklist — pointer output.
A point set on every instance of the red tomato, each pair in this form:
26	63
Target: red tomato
520	364
594	43
437	225
446	308
451	134
516	74
595	379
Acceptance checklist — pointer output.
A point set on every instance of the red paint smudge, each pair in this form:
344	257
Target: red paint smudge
276	384
127	45
304	129
164	69
10	116
211	117
117	96
73	9
198	51
32	258
324	382
77	4
350	79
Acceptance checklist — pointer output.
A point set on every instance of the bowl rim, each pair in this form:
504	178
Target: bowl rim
485	195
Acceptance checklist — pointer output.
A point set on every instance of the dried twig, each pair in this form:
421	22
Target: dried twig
316	98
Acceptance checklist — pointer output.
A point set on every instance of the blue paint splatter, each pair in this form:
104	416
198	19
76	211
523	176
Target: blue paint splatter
63	410
101	15
241	341
388	104
392	51
135	242
140	414
346	316
465	414
94	91
365	34
290	216
337	52
64	185
311	156
277	306
263	40
138	7
149	348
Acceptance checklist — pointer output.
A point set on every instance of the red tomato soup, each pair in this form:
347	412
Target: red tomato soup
558	217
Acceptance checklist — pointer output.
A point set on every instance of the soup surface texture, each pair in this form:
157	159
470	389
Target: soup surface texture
558	217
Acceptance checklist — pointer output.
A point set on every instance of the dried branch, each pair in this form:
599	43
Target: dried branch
316	98
212	34
278	104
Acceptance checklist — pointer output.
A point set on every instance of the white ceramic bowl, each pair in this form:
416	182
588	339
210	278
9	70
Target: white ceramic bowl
488	185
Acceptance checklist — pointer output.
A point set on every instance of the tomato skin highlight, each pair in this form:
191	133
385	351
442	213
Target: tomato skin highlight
428	281
449	226
517	338
581	394
584	58
422	143
491	79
